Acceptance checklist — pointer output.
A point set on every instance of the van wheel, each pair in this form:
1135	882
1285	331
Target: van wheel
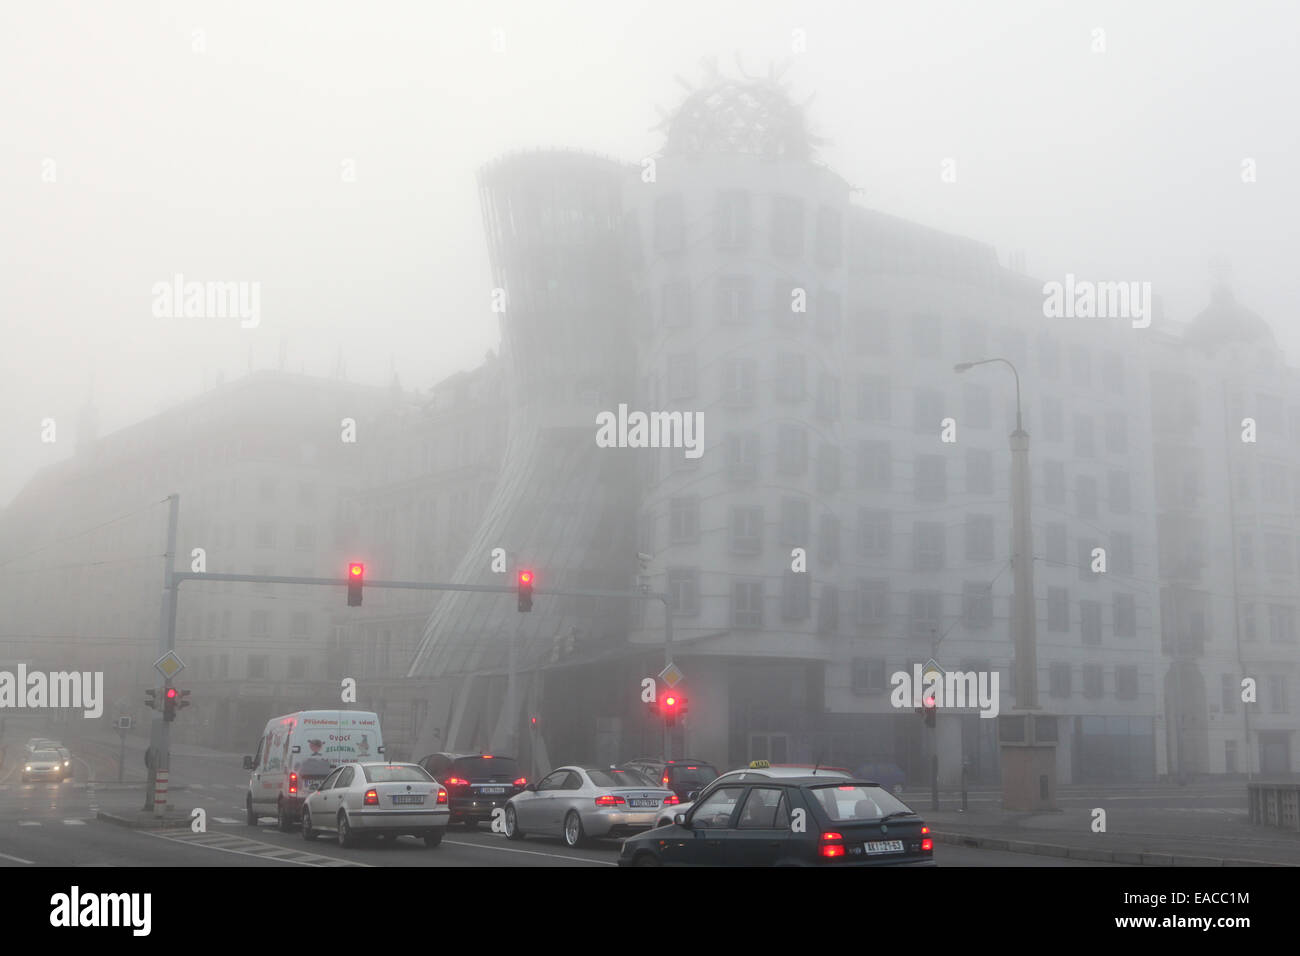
512	825
346	836
432	839
573	835
250	815
285	820
307	832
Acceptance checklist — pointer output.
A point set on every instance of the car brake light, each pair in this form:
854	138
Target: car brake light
927	845
924	830
521	782
609	800
442	795
671	800
372	798
457	782
829	848
665	780
293	783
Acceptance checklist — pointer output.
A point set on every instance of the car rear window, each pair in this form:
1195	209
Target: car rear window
400	773
622	777
693	775
486	769
46	755
847	804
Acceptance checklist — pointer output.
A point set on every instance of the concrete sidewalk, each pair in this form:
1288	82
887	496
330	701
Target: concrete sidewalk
1147	837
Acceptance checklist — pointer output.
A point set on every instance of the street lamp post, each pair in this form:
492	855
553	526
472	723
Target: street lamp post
1023	762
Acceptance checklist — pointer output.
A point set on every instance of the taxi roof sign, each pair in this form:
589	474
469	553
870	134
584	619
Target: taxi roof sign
759	765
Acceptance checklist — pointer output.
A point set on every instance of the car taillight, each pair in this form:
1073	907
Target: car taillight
664	782
609	800
830	847
442	795
372	798
924	830
927	845
456	782
521	782
293	783
671	800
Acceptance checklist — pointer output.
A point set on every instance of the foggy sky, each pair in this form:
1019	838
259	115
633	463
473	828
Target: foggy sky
225	164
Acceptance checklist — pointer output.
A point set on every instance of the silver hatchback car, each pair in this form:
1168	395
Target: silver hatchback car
581	803
361	800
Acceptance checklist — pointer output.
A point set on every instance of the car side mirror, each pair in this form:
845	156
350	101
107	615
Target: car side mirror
693	796
248	763
530	787
680	820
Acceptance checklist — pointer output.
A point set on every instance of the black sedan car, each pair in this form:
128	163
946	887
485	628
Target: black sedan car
788	821
477	784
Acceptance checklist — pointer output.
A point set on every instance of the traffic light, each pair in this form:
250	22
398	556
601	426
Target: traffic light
183	701
151	699
525	583
683	705
931	709
170	696
670	708
356	576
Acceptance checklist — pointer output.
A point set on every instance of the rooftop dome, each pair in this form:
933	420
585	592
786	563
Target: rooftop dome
751	116
1224	322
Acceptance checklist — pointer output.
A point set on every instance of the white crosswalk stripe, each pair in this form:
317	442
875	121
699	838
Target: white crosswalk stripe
29	823
75	823
229	843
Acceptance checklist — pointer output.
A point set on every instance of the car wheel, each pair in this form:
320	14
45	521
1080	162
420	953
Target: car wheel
250	815
285	821
573	833
432	839
646	859
512	825
346	837
307	832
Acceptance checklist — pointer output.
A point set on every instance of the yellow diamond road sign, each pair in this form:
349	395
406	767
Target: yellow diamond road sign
671	675
169	665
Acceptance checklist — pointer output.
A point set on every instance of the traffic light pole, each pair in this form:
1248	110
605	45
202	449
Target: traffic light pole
160	730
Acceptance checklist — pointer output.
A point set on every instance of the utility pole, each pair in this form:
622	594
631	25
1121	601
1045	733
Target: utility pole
160	730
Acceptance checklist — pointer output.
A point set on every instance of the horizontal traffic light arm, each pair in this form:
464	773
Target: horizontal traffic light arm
181	576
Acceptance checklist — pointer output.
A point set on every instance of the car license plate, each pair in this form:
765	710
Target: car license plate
643	803
492	790
885	846
408	798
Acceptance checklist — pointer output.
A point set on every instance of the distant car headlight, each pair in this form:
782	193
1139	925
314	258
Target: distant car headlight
66	762
27	769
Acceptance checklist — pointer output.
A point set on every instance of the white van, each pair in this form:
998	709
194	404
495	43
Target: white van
297	751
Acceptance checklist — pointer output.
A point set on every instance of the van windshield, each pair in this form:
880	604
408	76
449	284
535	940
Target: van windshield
396	773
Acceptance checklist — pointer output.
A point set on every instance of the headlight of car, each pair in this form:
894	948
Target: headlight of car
27	769
66	762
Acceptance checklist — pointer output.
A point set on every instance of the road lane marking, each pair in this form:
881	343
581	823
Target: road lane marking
29	823
229	844
511	849
75	823
17	859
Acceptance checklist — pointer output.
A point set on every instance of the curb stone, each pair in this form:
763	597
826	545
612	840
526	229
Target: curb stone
1129	857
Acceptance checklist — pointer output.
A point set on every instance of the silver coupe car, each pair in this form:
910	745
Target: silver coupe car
581	803
361	800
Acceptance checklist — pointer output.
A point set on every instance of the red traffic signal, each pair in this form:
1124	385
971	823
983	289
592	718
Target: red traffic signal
930	709
525	584
671	708
169	703
356	577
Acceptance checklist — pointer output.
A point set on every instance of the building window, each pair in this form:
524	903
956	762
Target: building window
1229	756
259	666
874	532
978	406
828	538
1059	680
874	464
787	227
1118	493
1053	420
684	520
1277	695
684	591
300	625
1126	683
738	382
1058	609
979	538
927	406
1125	616
792	449
297	668
791	372
675	304
828	468
979	472
931	478
869	676
742	455
265	535
1281	624
874	403
927	336
1090	621
828	397
795	522
828	610
1086	573
746	530
747	604
872	605
1121	553
1054	482
977	604
796	595
681	376
1117	433
1083	444
731	220
928	545
826	314
259	623
1092	681
925	614
1057	546
1278	555
734	300
669	225
1229	688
